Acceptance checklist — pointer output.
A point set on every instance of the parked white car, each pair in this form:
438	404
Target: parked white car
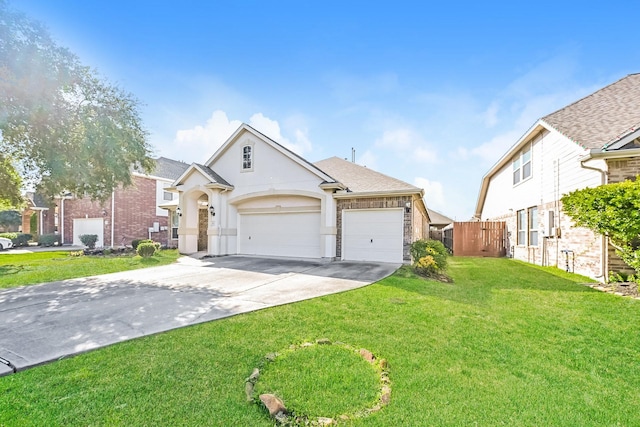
5	243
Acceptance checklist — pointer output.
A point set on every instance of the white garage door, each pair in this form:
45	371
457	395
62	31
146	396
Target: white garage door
282	234
88	226
372	235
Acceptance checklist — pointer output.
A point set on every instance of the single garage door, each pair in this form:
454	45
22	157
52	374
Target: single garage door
293	234
372	235
88	226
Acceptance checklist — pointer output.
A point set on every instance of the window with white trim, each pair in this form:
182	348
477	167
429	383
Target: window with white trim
522	227
175	219
522	166
533	226
247	157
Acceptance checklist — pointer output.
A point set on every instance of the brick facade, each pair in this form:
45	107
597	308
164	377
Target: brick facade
380	203
620	170
134	214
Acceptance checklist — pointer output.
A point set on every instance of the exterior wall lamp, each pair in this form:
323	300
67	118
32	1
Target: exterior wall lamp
212	210
179	211
407	207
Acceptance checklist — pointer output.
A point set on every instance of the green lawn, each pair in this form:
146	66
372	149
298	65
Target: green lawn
40	267
506	344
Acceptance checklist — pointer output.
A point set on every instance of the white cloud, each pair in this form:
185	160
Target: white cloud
301	144
433	193
367	159
406	142
425	155
401	138
201	141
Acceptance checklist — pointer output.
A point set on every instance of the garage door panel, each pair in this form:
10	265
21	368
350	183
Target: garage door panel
373	235
88	226
280	234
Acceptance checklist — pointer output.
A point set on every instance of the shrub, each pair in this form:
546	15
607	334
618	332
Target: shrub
135	243
146	249
89	240
426	265
430	248
76	253
106	252
18	239
49	240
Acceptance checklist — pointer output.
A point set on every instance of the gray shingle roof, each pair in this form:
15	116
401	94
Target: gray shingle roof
360	179
602	117
168	168
438	219
212	174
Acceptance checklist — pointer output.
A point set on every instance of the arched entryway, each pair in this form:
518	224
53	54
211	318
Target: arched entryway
195	221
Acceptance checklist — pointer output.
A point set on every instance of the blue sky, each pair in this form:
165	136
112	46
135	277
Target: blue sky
432	94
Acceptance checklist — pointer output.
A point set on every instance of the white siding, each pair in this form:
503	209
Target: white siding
556	170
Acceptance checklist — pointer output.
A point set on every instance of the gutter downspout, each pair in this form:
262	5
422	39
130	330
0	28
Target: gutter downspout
113	217
61	219
604	256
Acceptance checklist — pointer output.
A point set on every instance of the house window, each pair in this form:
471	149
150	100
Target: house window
522	166
533	226
175	218
247	157
522	227
167	195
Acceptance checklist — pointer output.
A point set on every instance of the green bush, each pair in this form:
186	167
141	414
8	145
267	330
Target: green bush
49	240
18	239
434	249
89	240
135	243
146	249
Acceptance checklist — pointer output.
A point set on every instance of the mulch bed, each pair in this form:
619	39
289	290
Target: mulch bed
627	289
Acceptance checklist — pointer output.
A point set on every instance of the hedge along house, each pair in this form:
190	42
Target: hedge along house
255	197
594	141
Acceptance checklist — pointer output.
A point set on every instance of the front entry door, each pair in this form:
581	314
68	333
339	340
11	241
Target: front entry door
203	224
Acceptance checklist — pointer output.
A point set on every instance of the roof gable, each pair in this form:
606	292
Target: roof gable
212	178
244	129
602	117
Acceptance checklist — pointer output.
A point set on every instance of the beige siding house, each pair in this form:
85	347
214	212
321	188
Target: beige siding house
255	197
594	141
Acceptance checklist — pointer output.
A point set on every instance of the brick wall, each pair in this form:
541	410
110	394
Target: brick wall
585	245
621	170
376	203
135	212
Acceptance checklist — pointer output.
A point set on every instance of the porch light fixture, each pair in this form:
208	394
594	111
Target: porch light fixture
212	210
179	211
407	207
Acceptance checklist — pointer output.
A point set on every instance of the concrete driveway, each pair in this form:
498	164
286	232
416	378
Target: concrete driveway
42	323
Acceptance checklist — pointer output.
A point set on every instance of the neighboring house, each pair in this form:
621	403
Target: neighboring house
130	213
46	218
591	142
438	221
255	197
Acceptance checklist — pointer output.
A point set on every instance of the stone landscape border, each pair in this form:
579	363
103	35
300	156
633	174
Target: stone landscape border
277	409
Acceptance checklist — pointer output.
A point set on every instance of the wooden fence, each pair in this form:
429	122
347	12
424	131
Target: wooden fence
481	238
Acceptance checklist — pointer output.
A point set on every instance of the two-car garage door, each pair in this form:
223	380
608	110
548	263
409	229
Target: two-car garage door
373	235
367	234
294	234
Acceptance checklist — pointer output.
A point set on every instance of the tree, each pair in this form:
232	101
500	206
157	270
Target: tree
63	126
10	219
612	210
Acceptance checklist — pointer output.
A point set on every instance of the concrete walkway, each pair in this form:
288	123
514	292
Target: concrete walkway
46	322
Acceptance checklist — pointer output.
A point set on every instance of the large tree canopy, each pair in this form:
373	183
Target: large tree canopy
63	126
612	210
